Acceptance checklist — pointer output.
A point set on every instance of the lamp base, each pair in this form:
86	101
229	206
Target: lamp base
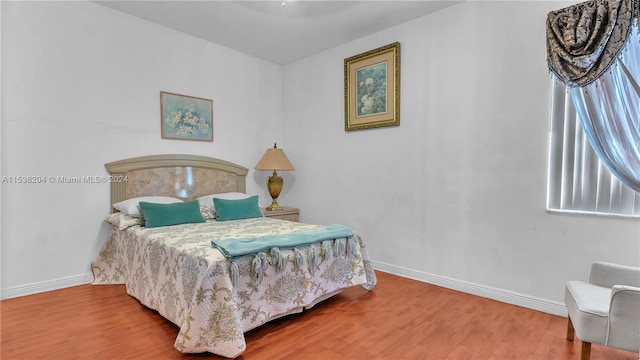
274	183
274	206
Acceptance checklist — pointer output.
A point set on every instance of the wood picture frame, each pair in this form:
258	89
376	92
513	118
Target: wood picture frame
372	88
185	117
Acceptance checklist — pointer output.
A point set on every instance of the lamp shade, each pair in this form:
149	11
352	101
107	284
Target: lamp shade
274	159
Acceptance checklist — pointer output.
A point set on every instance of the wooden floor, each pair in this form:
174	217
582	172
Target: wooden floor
400	319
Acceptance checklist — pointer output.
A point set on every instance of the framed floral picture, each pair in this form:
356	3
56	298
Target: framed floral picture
186	117
372	88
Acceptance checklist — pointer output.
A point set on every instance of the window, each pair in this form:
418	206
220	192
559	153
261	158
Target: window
578	182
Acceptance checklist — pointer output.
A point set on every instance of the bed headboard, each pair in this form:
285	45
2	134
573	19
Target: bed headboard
183	176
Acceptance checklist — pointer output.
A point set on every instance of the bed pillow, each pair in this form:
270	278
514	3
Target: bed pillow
237	209
207	200
123	221
171	214
131	207
207	213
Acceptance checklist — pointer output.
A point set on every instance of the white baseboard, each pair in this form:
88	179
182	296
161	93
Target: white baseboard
506	296
509	297
35	288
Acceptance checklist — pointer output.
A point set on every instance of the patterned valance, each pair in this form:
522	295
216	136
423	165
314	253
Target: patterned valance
584	40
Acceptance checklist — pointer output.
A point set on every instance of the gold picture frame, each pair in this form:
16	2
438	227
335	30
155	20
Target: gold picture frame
372	88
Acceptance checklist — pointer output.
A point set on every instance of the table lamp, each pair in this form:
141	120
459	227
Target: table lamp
274	159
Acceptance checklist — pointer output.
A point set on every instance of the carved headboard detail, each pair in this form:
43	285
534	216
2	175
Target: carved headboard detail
183	176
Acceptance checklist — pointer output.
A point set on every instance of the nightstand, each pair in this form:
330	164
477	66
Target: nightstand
286	213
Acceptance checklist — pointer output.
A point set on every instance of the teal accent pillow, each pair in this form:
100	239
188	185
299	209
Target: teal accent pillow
237	209
171	214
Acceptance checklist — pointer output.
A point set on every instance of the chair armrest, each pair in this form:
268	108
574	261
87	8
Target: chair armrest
624	318
607	275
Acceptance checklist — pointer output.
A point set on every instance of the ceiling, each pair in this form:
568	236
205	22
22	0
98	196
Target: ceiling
269	30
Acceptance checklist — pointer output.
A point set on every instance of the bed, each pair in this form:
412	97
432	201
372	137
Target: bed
186	274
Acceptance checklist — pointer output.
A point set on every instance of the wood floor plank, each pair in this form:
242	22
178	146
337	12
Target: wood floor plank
400	319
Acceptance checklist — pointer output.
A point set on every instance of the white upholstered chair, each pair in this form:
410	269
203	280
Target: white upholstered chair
605	310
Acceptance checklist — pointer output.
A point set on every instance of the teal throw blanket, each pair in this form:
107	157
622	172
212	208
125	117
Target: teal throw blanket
232	248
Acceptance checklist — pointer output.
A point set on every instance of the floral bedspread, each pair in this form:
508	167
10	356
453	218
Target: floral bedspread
176	271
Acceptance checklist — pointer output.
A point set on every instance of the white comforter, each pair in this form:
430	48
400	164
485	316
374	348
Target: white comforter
177	272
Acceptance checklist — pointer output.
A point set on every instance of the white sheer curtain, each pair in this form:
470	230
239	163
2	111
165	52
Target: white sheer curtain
578	181
609	109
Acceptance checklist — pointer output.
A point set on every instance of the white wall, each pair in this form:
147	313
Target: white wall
456	194
81	87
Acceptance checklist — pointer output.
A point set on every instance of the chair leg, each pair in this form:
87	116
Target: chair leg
570	330
585	347
585	351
